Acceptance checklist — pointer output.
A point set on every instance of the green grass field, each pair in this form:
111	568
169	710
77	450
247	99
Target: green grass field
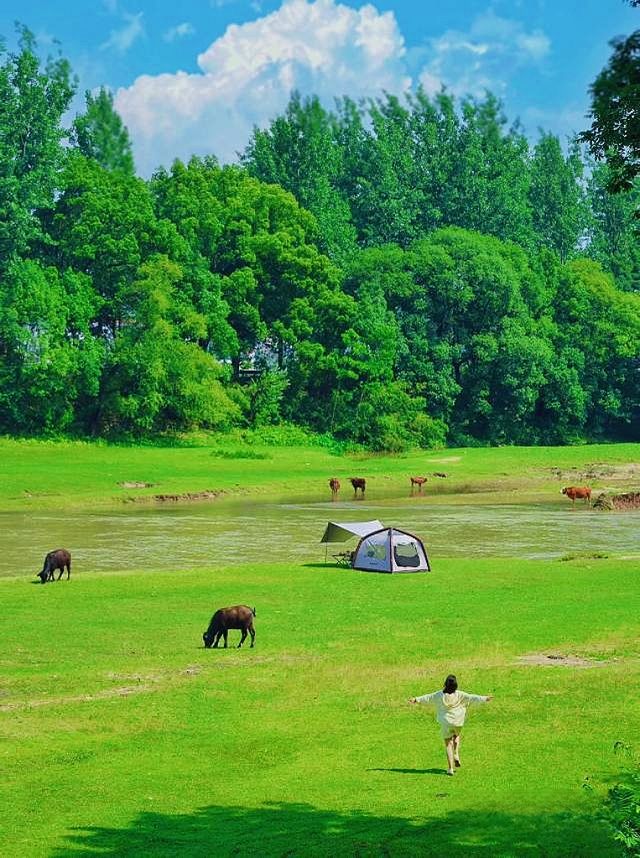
122	736
46	475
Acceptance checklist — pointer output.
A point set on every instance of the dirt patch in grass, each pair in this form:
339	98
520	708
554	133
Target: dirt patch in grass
135	484
596	471
124	691
554	659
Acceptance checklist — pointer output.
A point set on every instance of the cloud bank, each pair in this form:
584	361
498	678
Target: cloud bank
315	46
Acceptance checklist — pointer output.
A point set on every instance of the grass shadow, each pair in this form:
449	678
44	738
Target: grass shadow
295	829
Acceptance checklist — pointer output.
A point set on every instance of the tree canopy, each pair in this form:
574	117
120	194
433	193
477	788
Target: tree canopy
393	272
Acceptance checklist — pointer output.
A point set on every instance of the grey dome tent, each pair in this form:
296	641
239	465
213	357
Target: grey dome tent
391	550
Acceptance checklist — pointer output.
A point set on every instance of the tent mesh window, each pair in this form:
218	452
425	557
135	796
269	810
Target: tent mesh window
406	554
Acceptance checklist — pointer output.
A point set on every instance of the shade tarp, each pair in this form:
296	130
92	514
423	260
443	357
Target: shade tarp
341	531
391	550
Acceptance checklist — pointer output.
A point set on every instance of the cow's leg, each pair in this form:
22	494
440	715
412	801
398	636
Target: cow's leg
68	570
243	638
225	634
216	639
253	635
61	571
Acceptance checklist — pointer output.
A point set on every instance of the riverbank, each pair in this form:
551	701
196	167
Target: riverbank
68	475
123	736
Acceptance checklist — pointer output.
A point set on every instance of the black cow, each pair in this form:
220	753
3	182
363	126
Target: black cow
236	617
58	559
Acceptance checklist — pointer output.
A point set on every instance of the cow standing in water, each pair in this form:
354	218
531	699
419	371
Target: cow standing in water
358	483
574	492
334	485
58	559
418	481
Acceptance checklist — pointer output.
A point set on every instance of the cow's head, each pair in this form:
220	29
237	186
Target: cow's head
208	640
563	492
43	576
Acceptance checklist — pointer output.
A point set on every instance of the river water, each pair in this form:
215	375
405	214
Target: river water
199	535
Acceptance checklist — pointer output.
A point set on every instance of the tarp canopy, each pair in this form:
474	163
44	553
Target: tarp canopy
391	550
340	531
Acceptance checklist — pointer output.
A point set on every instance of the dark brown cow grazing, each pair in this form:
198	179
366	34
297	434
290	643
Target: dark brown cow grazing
334	485
237	617
574	492
57	559
358	483
418	481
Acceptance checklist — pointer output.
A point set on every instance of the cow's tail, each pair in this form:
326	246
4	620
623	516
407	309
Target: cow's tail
253	611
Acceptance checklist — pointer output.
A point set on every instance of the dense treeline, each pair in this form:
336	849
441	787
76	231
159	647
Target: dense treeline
392	273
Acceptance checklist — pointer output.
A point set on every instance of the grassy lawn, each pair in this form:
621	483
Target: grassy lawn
121	736
47	475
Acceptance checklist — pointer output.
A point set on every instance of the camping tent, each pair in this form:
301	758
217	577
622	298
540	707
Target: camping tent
340	531
391	550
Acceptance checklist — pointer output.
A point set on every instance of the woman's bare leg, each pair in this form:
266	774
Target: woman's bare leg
448	744
456	749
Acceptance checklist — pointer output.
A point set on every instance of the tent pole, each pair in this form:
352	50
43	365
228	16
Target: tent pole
326	548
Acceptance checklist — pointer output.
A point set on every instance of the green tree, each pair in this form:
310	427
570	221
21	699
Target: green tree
100	135
613	240
557	196
615	109
298	152
33	99
50	362
158	378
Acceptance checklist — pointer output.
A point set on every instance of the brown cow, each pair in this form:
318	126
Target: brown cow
358	483
334	485
58	559
418	481
574	492
236	617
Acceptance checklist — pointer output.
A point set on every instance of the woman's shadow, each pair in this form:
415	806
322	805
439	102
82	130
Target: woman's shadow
412	771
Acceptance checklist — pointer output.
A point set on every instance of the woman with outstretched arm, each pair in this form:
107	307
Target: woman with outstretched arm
451	708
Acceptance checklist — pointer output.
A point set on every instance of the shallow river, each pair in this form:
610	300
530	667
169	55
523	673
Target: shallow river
182	536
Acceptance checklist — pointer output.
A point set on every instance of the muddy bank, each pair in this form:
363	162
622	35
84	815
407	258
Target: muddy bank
624	501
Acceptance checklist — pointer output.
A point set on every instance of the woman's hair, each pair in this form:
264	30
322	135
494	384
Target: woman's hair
450	684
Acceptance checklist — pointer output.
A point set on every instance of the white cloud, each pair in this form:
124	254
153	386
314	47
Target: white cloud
179	32
122	39
247	75
484	57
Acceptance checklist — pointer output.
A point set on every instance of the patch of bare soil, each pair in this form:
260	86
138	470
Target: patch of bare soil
597	471
446	459
206	494
124	691
135	484
553	659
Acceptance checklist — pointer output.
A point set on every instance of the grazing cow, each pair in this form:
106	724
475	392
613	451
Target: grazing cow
574	492
439	474
334	485
237	617
358	483
418	481
58	559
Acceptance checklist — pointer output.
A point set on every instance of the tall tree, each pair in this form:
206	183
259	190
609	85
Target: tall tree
615	109
298	152
557	196
613	240
100	134
33	99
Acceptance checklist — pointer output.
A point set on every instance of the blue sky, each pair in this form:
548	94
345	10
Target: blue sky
195	76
